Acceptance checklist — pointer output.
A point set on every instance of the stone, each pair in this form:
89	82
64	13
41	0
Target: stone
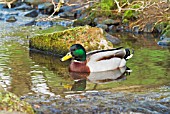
148	27
112	39
111	22
44	6
66	14
11	19
36	2
44	23
135	29
164	42
32	22
69	8
103	26
23	7
32	13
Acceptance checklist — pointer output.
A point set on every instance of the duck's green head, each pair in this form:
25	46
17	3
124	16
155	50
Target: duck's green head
77	52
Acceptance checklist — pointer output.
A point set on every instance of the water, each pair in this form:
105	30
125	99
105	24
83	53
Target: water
32	72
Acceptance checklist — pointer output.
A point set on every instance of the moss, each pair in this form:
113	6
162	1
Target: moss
125	21
59	42
10	102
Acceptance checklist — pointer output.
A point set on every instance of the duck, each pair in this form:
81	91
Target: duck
97	60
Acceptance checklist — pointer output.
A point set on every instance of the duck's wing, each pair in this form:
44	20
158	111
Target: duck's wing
88	54
106	54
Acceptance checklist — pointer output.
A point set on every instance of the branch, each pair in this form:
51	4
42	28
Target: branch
56	9
8	3
118	6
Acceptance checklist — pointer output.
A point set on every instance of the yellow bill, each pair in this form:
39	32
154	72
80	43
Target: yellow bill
66	57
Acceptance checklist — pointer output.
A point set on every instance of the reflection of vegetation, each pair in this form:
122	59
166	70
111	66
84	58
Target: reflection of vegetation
57	75
19	63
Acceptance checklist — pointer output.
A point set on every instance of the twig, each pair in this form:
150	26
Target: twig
56	9
118	6
8	3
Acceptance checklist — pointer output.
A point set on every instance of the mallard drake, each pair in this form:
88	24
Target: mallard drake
96	61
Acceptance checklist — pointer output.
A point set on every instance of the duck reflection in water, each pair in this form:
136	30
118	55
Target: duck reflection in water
80	79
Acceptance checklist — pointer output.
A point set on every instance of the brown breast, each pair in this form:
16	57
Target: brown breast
79	67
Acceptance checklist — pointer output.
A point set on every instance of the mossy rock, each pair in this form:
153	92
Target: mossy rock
59	42
10	103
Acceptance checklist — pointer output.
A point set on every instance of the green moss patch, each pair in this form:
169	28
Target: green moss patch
11	103
59	42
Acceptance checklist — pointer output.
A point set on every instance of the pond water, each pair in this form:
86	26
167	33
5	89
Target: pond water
26	72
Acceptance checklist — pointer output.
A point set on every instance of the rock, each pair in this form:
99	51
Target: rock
65	23
89	37
66	8
119	28
112	39
135	29
111	22
23	7
32	13
148	27
44	23
69	8
11	19
164	42
44	6
84	21
103	26
98	20
111	28
1	16
66	14
32	22
37	2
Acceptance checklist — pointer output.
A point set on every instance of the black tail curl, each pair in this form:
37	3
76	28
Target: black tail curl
128	54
